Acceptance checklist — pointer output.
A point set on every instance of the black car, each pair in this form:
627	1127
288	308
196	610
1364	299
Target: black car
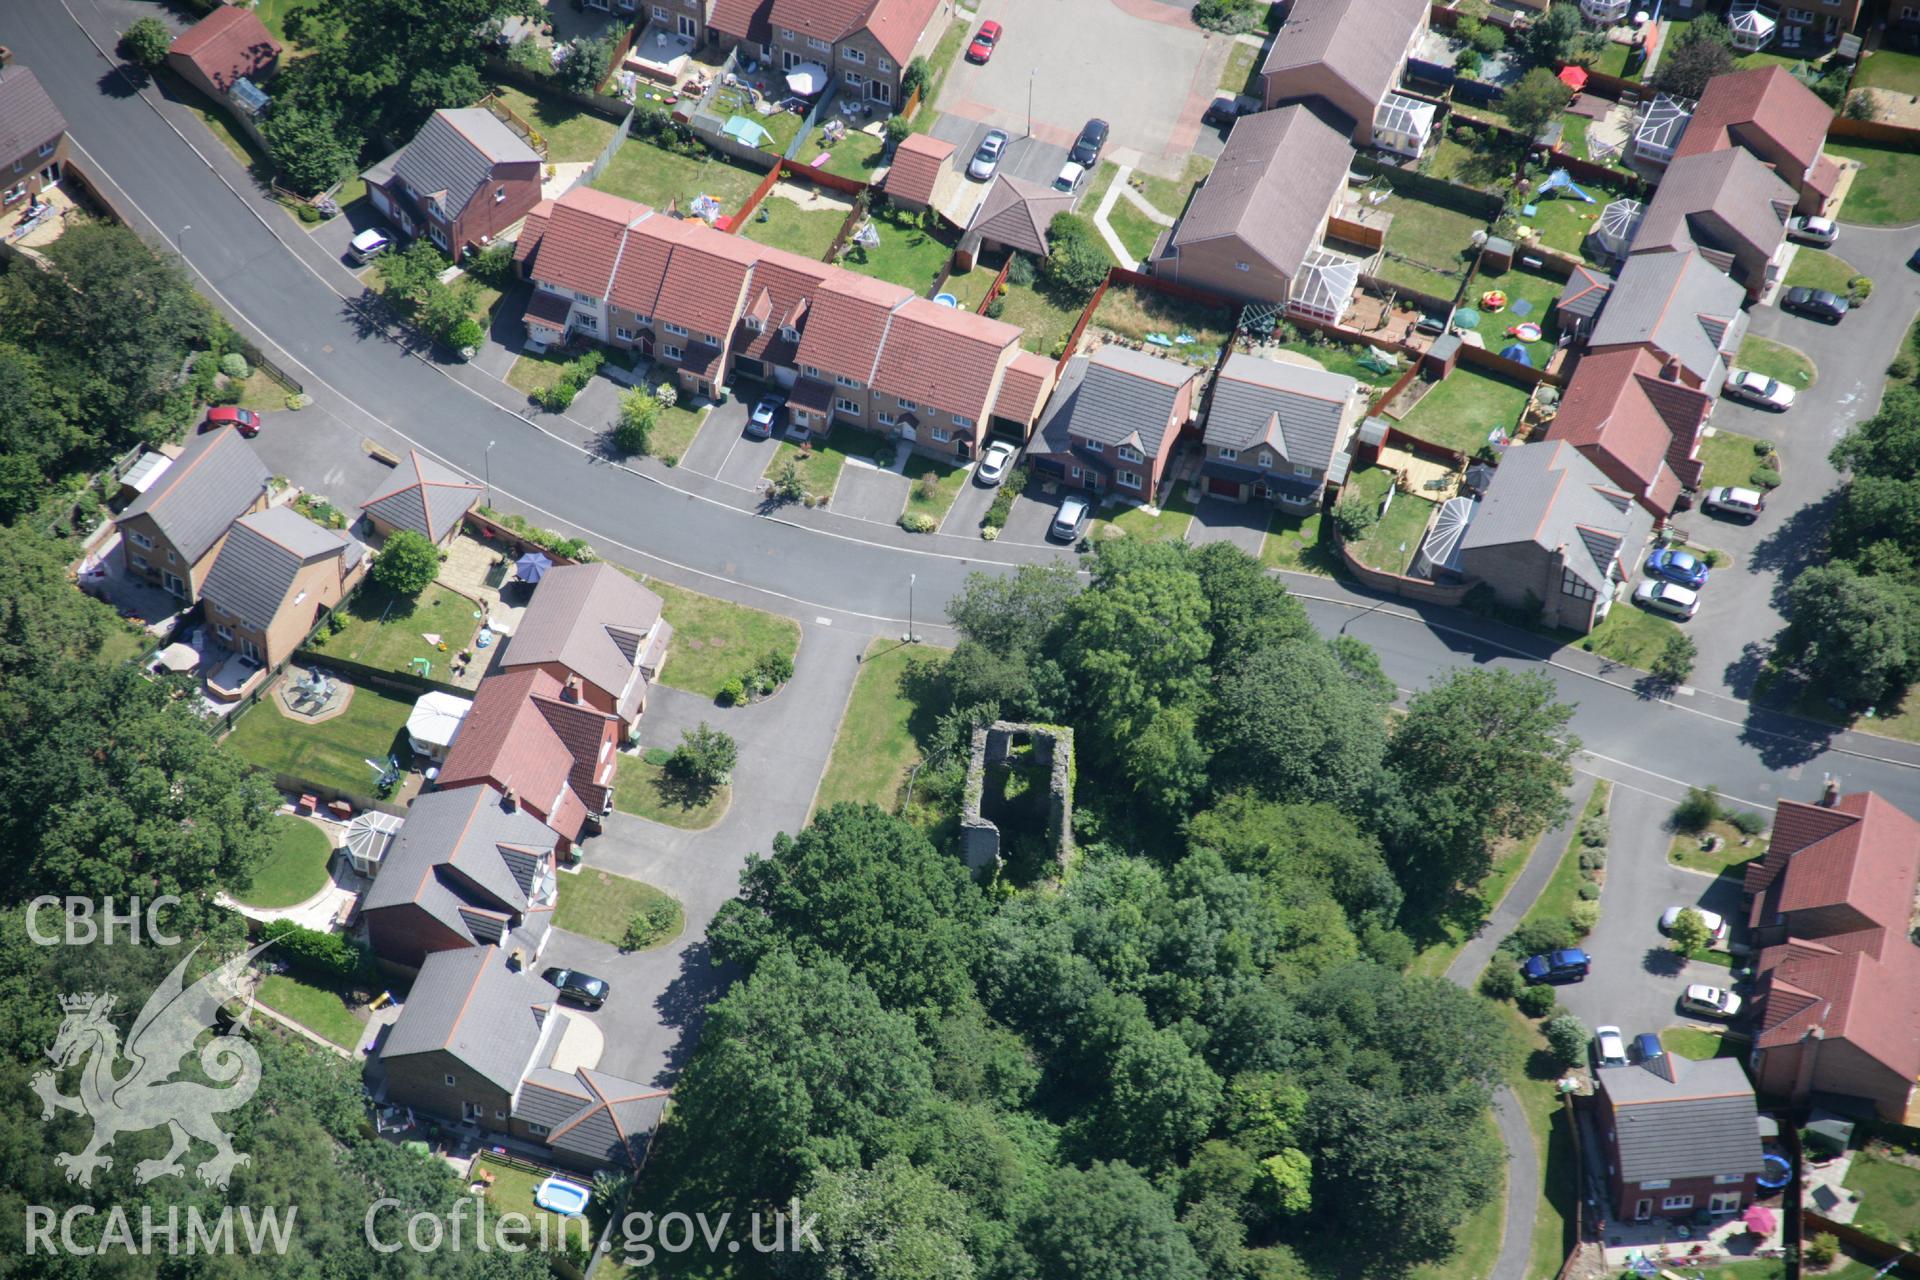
1819	304
1223	110
1087	148
581	988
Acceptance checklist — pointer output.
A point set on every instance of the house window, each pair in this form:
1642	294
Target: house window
15	191
678	331
1266	457
1656	1184
1298	469
1127	453
847	406
1076	473
1228	455
959	421
1126	479
787	35
624	332
660	12
140	563
907	404
588	321
171	558
451	1082
884	419
537	1130
851	54
582	297
886	66
46	148
941	435
439	236
1094	446
815	42
670	352
751	322
499	195
1676	1202
1241	266
1728	1179
642	321
499	1114
845	381
139	539
810	371
226	633
790	333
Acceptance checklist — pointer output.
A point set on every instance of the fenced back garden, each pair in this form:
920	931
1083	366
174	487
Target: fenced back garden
1162	324
394	633
1459	412
909	253
332	752
659	175
782	224
1428	246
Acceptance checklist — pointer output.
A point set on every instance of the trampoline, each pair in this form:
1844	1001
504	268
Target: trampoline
1773	1182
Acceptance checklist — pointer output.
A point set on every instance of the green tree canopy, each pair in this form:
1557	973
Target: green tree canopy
1290	724
1103	1222
891	1222
1533	103
407	563
1857	635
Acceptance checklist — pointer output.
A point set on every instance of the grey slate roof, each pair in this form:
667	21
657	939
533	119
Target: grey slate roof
462	850
1364	42
455	152
426	497
1679	304
1295	409
1271	186
467	1003
215	478
1115	395
1702	1124
262	555
1018	213
1726	200
1547	493
1585	293
28	118
618	1121
589	618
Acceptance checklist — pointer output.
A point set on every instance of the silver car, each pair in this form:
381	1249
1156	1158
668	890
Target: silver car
1758	389
1817	231
1070	519
1668	598
994	464
986	160
1710	1002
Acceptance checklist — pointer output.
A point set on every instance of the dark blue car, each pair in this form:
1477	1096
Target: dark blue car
1570	965
1682	567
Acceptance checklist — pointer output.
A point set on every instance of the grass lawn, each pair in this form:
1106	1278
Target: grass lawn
855	156
1563	223
1887	188
1138	313
675	430
572	135
1169	195
273	13
216	119
1531	1073
1425	245
1476	1241
598	904
1136	230
1613	59
1700	1044
820	468
1341	358
1438	950
1889	1196
1242	72
1479	165
1818	269
1539	291
1563	888
715	640
531	373
1777	360
1630	634
262	391
908	255
1891	70
785	225
1170	525
319	1009
878	742
1467	405
947	483
1732	855
971	288
513	1191
645	790
1045	320
655	176
332	753
389	632
295	867
1727	458
1393	541
1299	544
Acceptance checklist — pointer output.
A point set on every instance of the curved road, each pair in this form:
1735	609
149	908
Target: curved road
282	288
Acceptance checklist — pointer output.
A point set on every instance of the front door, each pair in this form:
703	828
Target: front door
688	27
471	1111
907	431
174	585
1642	1210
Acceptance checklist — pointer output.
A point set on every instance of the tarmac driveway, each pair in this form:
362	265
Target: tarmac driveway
969	507
1032	512
868	493
1034	159
747	460
1244	524
725	427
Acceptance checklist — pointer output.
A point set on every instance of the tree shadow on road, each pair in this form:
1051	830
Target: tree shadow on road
1663	962
683	1005
1798	542
1742	675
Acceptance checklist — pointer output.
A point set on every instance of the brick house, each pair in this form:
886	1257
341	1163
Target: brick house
1837	1000
1278	432
1726	205
1678	1136
1348	54
1112	422
171	534
1680	307
33	137
594	624
864	44
465	869
227	46
1635	418
465	178
1764	110
277	575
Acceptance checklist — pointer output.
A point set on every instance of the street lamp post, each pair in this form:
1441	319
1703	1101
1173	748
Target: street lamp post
490	473
1030	78
911	638
179	236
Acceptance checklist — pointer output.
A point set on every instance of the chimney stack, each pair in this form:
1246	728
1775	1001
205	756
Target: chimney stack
510	800
1831	795
1670	371
571	691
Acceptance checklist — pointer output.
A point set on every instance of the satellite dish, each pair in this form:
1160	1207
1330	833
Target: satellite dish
1640	18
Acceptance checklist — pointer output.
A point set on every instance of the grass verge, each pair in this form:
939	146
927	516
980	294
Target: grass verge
647	790
879	739
1777	360
598	904
715	640
1734	853
319	1009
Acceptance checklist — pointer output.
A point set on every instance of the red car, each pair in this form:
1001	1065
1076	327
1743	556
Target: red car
982	47
245	421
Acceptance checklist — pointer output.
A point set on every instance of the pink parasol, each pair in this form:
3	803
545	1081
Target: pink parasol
1759	1220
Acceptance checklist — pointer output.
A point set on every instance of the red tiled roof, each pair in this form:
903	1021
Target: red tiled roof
898	24
705	276
916	167
747	20
227	44
1807	985
1023	386
847	322
549	309
1861	853
944	357
532	230
824	19
643	260
514	737
1617	405
582	241
1764	107
781	292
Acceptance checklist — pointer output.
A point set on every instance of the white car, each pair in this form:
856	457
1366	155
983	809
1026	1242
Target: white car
368	245
1816	231
1666	597
986	159
1741	504
1716	925
1609	1047
765	414
1758	389
1070	177
994	464
1710	1002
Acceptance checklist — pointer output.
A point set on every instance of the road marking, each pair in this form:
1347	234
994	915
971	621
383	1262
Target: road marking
1678	782
827	622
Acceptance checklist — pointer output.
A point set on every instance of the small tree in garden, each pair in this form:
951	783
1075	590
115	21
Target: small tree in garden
915	78
1567	1036
898	127
1532	104
653	923
406	564
666	395
1674	663
638	414
145	43
704	758
1697	812
1689	933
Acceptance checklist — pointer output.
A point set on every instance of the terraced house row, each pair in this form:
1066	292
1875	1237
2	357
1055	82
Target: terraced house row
709	307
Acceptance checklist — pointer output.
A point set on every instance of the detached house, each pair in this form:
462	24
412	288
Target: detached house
463	180
1636	419
1112	422
1838	992
595	626
1769	113
481	1043
537	739
1727	205
1278	432
172	532
1348	54
1679	307
277	575
1679	1136
466	868
228	46
33	137
865	45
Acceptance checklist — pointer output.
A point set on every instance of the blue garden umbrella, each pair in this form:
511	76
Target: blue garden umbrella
532	566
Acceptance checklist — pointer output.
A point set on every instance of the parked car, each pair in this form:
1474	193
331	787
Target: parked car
582	988
245	421
765	416
1710	1002
986	159
1666	597
1741	504
995	462
1569	965
1647	1047
1609	1047
1682	567
1088	146
1815	304
1758	389
1070	177
1070	519
1715	922
366	245
983	42
1225	109
1816	231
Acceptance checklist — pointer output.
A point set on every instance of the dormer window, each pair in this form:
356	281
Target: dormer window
1129	454
752	323
790	333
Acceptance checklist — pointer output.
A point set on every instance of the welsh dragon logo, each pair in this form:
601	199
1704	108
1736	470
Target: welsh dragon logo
148	1096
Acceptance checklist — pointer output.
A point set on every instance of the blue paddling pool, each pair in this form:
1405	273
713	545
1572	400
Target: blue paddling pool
557	1195
946	300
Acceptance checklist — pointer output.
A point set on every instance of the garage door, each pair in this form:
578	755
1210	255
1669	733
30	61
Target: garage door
1223	488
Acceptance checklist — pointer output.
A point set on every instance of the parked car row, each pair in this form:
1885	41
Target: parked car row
1081	157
